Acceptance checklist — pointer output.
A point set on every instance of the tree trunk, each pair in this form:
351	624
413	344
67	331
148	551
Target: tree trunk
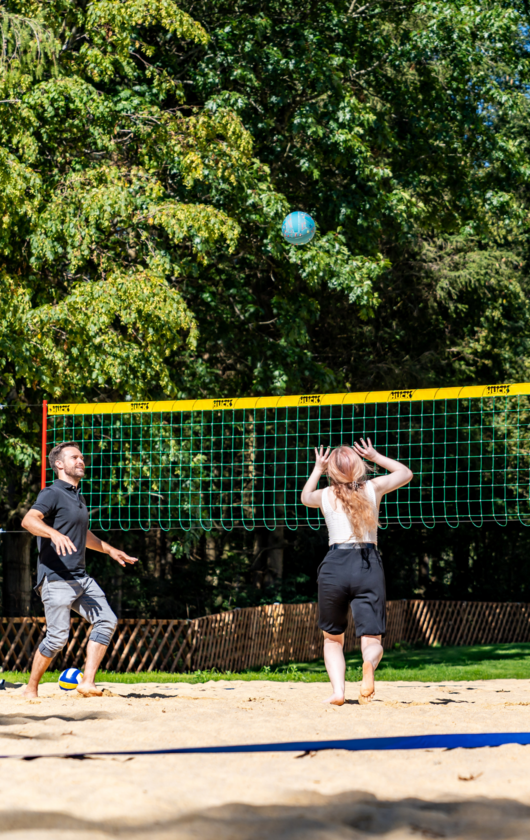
258	564
210	551
17	574
115	594
424	571
267	569
274	571
153	541
158	563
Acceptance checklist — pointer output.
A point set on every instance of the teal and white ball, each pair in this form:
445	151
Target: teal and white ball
70	679
298	228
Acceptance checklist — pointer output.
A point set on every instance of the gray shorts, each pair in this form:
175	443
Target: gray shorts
84	596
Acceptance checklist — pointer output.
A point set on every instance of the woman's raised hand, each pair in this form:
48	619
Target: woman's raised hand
365	449
322	458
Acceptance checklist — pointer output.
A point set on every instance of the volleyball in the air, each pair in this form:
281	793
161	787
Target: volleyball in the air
70	679
298	228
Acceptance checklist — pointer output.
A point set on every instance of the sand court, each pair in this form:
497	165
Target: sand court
332	794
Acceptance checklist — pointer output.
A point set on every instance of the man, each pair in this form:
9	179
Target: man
59	518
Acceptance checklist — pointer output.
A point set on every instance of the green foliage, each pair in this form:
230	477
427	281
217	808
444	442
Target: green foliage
26	46
99	221
400	128
112	37
130	219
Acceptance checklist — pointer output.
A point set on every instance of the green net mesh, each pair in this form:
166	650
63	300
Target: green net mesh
246	467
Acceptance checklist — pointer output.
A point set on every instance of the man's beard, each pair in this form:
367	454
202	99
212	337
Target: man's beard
73	474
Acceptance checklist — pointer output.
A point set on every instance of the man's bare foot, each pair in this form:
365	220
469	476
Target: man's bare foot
30	693
336	699
89	690
367	691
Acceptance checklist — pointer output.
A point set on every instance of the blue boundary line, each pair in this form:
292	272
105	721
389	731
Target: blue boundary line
405	742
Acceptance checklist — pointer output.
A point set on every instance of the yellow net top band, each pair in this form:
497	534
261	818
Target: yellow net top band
301	400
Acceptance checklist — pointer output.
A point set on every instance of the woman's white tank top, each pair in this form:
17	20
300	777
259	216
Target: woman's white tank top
339	527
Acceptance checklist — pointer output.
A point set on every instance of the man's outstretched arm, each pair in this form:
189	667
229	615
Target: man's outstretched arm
117	554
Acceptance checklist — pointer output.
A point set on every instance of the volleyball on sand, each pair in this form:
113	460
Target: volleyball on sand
298	228
70	679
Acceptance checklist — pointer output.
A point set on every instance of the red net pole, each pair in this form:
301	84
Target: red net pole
44	437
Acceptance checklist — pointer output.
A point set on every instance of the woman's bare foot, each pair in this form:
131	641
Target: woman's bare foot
89	690
367	691
336	699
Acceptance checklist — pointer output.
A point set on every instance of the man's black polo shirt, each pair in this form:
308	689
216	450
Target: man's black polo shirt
64	509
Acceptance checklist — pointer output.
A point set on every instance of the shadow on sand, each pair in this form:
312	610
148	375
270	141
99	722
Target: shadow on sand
20	719
349	816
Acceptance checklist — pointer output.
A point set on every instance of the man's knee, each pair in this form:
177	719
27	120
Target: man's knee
54	641
103	628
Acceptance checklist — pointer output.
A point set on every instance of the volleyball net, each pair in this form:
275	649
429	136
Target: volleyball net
242	463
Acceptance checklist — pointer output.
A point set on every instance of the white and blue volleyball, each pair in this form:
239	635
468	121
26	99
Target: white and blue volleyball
70	679
298	228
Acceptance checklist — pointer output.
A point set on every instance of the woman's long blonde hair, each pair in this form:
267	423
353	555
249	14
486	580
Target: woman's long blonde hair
347	474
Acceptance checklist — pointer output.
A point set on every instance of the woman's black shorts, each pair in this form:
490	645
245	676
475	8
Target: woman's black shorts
352	576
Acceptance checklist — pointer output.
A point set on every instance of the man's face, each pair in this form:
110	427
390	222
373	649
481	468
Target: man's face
72	462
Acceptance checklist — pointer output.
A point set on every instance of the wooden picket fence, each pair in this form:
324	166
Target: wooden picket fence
261	636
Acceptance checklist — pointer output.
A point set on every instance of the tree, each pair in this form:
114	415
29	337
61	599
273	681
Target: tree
394	125
110	211
98	221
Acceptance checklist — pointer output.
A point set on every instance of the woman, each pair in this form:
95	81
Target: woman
352	570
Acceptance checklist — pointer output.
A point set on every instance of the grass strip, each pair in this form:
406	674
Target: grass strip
423	664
